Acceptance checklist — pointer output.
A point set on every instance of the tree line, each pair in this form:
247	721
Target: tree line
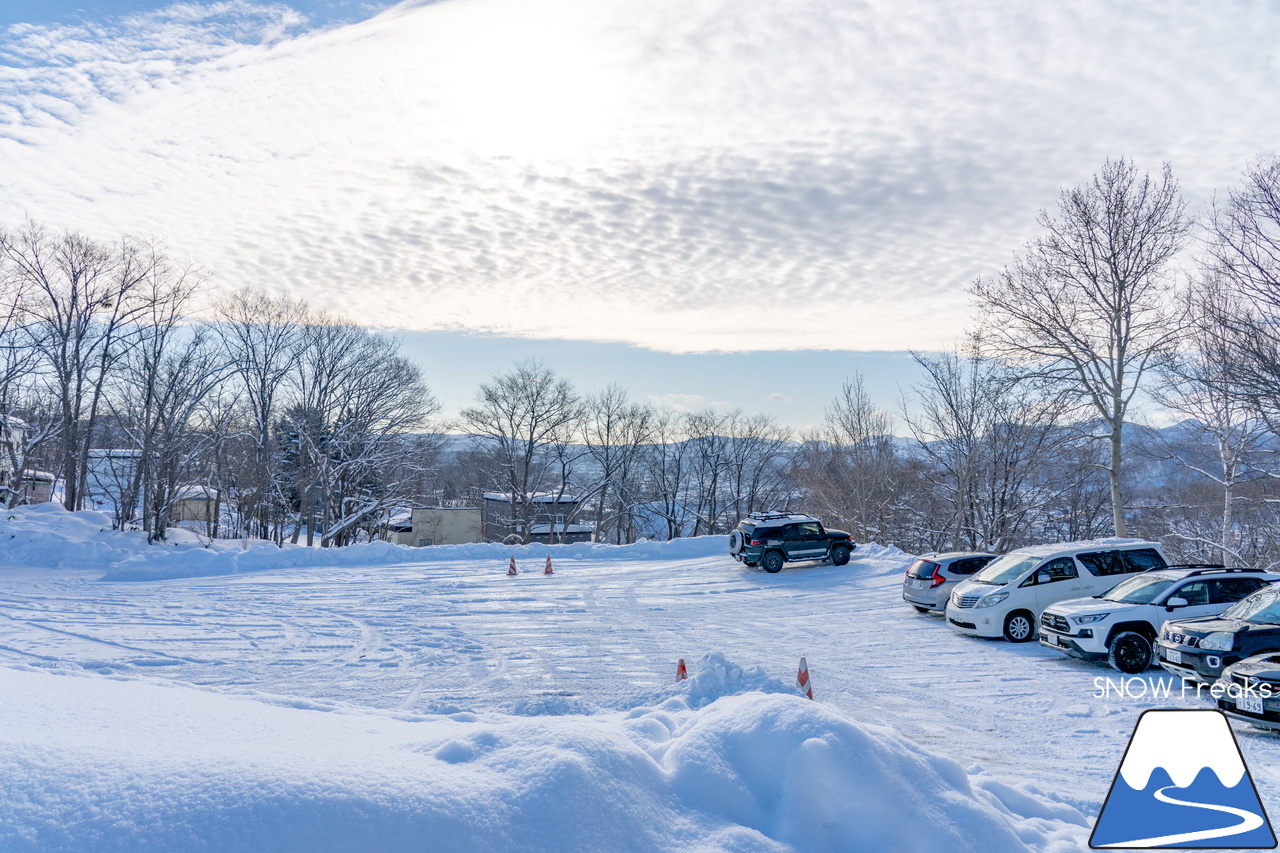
303	424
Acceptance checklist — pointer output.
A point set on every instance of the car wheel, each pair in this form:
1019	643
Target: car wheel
1129	652
1019	627
840	555
772	562
735	542
920	609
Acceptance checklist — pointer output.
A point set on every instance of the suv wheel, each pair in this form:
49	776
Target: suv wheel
772	562
1019	627
840	555
1129	652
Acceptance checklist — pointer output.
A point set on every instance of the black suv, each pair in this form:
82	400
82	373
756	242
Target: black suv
770	539
1199	649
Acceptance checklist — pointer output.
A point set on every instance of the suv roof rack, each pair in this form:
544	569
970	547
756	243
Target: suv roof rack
1210	568
770	516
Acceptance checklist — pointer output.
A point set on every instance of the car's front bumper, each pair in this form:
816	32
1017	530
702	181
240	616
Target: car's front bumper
979	621
1192	664
1085	648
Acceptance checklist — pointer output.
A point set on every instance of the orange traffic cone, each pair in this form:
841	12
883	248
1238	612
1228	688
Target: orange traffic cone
547	570
511	570
802	678
681	672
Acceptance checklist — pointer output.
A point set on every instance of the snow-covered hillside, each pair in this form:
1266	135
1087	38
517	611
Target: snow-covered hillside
374	703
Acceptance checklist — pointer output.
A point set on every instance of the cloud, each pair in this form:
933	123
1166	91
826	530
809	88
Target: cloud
678	402
685	176
780	398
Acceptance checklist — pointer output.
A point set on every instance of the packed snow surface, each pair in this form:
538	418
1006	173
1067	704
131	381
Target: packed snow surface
407	699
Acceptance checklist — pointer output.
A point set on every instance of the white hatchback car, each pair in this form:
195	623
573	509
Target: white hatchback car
1007	597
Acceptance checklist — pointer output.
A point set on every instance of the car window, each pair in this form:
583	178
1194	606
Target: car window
1143	560
968	565
1061	569
810	530
1229	590
1102	563
790	531
921	569
1195	593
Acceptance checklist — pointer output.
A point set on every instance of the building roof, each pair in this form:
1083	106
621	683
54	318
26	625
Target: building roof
545	529
537	498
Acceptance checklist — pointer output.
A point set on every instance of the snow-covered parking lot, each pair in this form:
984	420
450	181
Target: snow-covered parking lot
443	705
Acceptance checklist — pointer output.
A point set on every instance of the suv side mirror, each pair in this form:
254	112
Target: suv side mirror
1175	602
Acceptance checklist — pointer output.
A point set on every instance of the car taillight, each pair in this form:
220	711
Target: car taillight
755	543
938	580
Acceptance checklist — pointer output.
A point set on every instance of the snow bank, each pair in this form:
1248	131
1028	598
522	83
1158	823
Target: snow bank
112	765
48	536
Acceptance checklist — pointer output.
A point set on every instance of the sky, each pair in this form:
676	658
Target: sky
623	180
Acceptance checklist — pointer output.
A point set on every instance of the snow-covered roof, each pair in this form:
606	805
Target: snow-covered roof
543	529
1051	548
538	498
194	493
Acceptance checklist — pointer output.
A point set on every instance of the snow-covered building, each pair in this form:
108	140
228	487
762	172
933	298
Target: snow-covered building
437	525
550	516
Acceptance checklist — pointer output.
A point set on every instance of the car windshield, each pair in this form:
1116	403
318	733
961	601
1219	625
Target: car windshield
1143	589
1005	569
1263	607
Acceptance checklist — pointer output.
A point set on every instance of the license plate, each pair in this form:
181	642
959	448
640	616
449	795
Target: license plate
1251	704
1173	655
1058	641
917	584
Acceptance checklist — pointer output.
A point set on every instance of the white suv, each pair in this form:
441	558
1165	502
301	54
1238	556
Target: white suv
1006	598
1121	625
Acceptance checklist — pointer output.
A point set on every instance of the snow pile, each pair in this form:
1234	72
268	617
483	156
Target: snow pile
48	536
111	765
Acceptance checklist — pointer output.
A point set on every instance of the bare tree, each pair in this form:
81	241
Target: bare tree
849	468
987	433
518	414
262	338
356	400
614	430
1224	435
1088	307
84	300
1244	267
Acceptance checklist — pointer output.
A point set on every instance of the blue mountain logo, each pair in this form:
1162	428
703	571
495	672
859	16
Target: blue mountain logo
1183	783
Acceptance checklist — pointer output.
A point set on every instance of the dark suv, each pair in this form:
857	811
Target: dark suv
770	539
1199	649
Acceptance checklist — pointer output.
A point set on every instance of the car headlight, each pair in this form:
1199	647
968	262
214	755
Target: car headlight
1090	619
1218	641
992	600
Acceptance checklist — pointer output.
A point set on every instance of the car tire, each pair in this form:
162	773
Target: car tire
1129	652
772	562
735	542
1020	627
840	555
920	609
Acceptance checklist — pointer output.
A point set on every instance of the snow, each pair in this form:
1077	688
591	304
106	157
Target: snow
418	698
